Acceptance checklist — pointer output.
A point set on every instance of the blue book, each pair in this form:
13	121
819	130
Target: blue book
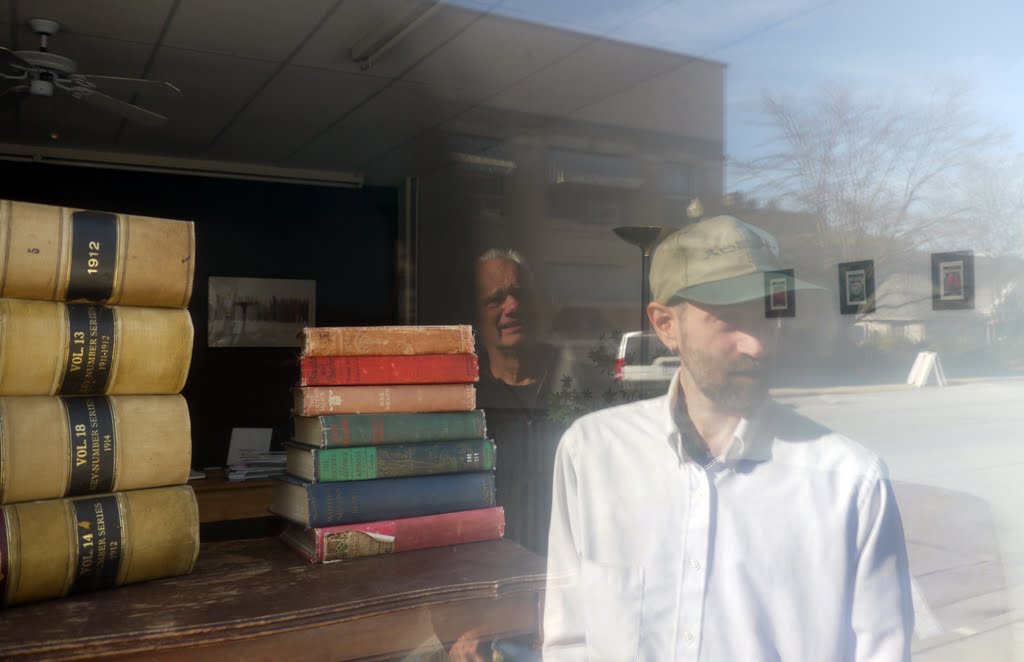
325	504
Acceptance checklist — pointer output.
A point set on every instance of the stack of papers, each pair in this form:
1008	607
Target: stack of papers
250	457
255	465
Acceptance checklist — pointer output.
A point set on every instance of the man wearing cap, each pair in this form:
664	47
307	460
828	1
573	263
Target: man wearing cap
711	523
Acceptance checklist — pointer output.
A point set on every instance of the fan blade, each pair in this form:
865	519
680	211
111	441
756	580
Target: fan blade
131	84
122	108
7	58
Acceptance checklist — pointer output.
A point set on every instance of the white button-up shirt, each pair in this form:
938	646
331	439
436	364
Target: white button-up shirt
788	547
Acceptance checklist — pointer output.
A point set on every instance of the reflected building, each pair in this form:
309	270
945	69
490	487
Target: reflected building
605	135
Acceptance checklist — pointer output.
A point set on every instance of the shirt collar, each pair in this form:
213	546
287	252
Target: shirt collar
750	440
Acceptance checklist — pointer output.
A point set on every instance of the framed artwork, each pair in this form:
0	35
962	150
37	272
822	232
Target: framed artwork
953	280
779	295
857	287
259	312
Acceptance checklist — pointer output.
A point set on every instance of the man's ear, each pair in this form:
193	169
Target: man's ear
663	321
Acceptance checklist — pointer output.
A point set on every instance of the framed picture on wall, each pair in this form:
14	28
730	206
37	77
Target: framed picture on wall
953	280
779	296
857	287
259	312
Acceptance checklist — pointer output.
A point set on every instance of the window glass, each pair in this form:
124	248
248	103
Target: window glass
878	143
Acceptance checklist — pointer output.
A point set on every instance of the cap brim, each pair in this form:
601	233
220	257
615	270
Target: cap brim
736	290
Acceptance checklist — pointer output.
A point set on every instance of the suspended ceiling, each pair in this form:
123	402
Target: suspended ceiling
274	84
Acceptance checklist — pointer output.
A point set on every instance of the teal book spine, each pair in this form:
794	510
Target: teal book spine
342	430
424	459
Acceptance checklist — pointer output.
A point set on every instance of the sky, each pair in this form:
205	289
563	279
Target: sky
897	49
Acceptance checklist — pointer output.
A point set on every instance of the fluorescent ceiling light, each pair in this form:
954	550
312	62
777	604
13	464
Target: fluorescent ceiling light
384	37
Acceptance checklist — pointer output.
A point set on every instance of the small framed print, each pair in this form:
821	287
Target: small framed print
259	312
779	295
953	280
857	287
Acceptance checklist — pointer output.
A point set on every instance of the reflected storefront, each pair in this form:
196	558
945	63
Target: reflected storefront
555	185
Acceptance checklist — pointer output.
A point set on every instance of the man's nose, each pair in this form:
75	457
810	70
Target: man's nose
751	344
511	305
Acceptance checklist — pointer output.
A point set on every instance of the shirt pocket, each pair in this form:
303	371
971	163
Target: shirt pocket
613	599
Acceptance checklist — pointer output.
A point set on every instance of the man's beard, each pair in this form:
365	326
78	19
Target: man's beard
736	386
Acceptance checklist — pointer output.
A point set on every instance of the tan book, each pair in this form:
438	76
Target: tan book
62	254
386	340
51	548
54	447
323	400
49	348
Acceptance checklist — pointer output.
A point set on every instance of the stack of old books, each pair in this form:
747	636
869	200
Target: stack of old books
389	453
95	442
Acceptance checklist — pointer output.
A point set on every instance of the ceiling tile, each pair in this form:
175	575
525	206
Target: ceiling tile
392	118
568	84
261	141
261	29
187	134
330	47
208	82
495	53
423	156
130	21
313	97
495	122
664	100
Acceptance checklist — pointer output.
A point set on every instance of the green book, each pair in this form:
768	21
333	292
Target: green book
343	430
333	465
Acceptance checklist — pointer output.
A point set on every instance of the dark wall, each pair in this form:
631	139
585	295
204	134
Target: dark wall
342	238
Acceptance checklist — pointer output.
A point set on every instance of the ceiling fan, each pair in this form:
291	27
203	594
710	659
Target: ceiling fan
45	74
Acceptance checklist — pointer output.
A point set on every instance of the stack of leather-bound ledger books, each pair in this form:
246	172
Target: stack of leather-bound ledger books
389	452
95	442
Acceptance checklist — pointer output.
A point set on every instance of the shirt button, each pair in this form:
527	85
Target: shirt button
688	637
695	564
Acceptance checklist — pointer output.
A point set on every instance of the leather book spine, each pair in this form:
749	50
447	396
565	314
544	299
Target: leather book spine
396	369
50	348
386	340
322	400
350	541
371	500
61	254
341	430
52	447
424	459
51	548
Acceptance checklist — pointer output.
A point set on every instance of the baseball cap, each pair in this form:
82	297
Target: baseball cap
717	261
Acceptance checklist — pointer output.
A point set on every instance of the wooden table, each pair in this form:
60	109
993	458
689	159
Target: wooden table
258	600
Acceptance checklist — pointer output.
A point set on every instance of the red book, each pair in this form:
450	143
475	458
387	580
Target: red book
349	541
412	369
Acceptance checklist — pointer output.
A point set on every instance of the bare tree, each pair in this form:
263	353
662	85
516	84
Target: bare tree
908	175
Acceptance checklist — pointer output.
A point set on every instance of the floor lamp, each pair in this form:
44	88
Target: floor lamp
645	237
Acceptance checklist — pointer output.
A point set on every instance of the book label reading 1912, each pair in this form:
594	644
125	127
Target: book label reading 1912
93	441
90	349
93	256
98	533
